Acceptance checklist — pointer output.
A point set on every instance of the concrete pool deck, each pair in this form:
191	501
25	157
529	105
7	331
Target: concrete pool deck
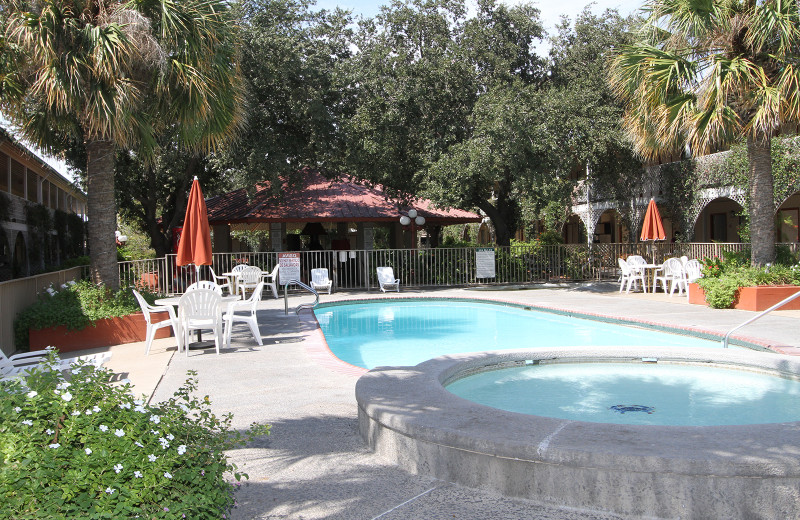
315	464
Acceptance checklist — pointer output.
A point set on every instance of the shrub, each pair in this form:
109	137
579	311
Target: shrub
721	286
85	448
75	306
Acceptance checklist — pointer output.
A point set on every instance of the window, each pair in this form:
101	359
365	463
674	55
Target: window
17	179
33	186
3	172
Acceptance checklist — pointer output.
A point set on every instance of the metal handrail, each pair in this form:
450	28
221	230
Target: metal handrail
302	305
760	314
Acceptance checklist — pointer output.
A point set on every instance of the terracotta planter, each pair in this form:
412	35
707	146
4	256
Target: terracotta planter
149	281
106	332
753	298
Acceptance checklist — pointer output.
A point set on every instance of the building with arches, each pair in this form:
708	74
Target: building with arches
42	213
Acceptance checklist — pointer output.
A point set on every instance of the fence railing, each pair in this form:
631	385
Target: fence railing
440	267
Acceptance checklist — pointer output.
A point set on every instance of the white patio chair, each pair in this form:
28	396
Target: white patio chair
271	280
152	327
320	280
205	284
694	271
684	259
629	276
671	276
249	278
386	279
201	309
249	305
223	281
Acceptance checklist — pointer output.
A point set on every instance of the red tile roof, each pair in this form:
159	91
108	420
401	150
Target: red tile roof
322	200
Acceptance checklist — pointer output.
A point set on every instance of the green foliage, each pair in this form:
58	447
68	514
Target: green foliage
74	307
722	278
87	448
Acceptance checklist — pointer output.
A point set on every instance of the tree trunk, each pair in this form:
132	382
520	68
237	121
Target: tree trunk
762	205
504	220
102	212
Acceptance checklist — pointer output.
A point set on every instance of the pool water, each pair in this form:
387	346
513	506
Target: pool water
636	393
394	333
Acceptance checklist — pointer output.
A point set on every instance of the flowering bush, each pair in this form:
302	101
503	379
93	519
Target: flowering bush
80	447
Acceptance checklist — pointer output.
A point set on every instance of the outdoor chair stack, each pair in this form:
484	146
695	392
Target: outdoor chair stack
694	271
201	309
671	276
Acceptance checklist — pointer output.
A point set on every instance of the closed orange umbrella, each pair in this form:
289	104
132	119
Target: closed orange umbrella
652	228
194	246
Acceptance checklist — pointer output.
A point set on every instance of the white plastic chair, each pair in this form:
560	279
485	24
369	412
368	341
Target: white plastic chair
201	309
250	318
271	280
223	281
629	276
671	276
694	271
21	365
249	278
320	280
386	279
205	284
152	327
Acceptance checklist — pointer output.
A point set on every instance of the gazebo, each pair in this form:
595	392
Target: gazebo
344	212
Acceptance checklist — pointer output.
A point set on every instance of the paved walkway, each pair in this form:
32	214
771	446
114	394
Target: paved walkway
315	465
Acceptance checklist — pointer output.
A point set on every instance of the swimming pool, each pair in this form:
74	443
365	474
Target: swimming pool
405	333
648	392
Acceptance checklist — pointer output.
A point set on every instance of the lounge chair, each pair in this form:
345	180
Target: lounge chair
386	279
320	280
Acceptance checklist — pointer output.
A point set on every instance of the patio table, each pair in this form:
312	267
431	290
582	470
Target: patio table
175	300
649	273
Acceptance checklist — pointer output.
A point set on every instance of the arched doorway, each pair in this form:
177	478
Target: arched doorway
610	228
20	262
484	234
787	219
574	230
718	222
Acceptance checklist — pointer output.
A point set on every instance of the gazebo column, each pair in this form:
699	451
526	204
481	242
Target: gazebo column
222	239
277	236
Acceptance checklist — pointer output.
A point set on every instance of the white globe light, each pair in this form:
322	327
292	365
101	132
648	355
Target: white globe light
404	220
420	221
412	213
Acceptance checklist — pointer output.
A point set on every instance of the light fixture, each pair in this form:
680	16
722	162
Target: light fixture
420	220
412	213
404	220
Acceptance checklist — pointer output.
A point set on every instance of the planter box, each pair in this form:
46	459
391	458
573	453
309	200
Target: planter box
753	298
106	332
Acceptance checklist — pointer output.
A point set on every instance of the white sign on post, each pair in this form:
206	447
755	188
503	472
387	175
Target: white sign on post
484	262
289	267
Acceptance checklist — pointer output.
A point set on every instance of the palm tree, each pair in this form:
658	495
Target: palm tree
111	73
706	73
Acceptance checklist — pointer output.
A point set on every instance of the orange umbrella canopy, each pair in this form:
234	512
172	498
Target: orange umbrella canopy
195	243
653	228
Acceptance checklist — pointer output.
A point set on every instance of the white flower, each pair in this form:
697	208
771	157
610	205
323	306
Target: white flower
137	474
54	445
119	433
170	436
32	393
17	409
27	422
156	419
75	412
117	468
95	409
138	402
49	431
167	474
126	406
63	386
154	432
164	443
110	491
103	428
88	451
88	412
139	444
151	458
140	409
181	449
67	396
76	371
